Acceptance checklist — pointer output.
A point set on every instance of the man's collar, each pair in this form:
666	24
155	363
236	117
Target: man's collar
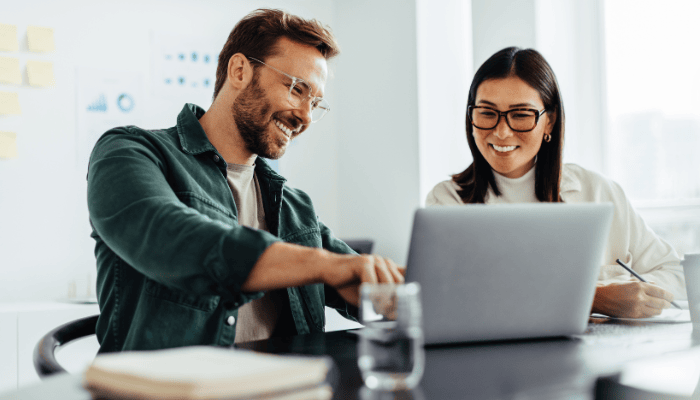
193	139
262	167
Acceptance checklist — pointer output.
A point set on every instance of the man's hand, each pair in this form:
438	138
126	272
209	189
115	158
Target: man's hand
632	299
351	271
285	265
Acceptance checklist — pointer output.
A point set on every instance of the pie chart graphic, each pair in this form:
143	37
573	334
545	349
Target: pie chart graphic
125	102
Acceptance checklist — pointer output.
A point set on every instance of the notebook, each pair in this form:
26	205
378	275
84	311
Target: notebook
201	373
516	271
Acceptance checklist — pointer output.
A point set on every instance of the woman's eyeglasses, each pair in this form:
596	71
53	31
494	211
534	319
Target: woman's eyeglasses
518	119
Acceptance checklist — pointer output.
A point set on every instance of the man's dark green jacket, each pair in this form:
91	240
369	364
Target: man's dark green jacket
171	256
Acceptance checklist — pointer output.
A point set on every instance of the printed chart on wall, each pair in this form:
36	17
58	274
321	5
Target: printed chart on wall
184	66
105	99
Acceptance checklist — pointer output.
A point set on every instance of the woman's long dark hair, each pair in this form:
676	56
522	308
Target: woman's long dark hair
531	67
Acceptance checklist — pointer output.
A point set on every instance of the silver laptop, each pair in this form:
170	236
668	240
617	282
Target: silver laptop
495	272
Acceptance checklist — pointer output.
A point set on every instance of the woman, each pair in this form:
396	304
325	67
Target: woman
515	130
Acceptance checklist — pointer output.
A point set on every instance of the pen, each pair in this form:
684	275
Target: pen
640	278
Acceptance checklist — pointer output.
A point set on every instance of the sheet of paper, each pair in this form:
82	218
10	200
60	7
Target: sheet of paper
670	315
40	73
8	38
8	145
40	39
9	70
667	315
9	103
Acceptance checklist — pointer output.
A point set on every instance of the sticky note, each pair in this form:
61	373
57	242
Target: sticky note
8	145
40	39
8	38
9	70
40	73
9	103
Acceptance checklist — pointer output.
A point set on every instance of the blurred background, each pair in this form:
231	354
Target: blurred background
627	70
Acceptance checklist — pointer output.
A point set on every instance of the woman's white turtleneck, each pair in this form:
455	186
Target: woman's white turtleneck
513	190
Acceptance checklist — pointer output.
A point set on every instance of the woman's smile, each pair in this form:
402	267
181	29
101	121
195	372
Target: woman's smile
503	149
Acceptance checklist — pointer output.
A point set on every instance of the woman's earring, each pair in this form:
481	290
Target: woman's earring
547	137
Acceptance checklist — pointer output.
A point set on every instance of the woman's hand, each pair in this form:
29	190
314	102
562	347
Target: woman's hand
632	299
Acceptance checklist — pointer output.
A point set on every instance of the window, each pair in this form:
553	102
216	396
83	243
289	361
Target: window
653	103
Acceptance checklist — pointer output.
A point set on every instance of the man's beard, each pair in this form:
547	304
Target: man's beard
249	112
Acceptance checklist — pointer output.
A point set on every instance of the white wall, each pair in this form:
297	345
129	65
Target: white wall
44	229
498	24
444	75
376	79
569	35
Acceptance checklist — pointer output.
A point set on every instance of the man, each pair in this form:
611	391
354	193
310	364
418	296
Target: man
198	240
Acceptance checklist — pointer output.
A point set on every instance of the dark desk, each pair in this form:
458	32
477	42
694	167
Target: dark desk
545	369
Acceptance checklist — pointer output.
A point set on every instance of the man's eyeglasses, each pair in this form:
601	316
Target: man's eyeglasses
300	92
518	119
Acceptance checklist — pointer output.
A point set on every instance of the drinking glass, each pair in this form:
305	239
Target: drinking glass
390	348
691	270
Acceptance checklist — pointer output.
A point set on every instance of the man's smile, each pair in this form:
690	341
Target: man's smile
284	128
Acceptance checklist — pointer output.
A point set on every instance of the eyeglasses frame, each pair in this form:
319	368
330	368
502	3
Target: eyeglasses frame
314	100
538	114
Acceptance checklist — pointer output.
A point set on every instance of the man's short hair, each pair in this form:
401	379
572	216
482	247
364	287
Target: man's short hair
257	33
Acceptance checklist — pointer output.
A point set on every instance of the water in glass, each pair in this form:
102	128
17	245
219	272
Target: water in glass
390	348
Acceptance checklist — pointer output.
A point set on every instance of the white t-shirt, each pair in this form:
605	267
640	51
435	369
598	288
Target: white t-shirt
630	239
256	319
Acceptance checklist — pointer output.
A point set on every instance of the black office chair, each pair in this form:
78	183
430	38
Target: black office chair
362	246
45	351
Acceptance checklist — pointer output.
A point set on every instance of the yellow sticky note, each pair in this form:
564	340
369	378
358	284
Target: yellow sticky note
9	103
40	39
8	145
40	73
8	38
9	70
